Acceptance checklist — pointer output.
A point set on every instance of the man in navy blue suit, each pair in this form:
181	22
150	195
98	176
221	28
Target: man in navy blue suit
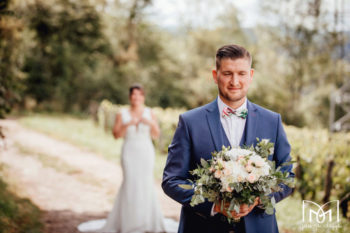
206	129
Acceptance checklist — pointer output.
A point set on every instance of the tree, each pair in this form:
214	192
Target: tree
69	45
10	58
304	47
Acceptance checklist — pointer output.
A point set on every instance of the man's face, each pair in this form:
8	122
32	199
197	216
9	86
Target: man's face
233	79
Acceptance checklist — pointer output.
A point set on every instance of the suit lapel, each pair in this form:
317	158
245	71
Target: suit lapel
249	137
217	132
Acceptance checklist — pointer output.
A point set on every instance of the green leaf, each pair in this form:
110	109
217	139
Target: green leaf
236	208
186	186
204	163
269	210
273	201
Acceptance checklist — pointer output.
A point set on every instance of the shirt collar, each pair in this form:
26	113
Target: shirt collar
222	105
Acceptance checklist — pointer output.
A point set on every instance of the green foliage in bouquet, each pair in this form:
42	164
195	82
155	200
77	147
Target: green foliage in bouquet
237	176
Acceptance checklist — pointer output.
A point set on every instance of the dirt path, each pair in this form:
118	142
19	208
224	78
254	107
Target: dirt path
69	184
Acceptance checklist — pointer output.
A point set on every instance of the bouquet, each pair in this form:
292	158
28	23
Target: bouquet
238	176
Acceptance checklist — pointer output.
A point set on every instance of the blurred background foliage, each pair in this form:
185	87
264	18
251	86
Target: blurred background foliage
64	55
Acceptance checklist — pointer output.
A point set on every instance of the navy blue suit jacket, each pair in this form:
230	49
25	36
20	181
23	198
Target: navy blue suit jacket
198	134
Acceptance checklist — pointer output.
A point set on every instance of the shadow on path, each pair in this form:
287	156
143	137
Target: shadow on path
66	221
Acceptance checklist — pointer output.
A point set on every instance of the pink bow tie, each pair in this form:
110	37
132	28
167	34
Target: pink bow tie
227	112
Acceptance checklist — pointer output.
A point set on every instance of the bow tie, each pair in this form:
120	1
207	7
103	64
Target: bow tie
227	112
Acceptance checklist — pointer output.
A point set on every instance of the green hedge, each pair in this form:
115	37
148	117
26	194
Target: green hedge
17	215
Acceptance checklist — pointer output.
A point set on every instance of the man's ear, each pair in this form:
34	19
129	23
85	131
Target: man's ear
251	73
215	76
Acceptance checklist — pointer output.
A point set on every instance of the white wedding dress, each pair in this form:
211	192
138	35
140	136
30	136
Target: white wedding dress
136	208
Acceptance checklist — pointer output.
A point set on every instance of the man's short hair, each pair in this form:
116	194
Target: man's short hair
233	52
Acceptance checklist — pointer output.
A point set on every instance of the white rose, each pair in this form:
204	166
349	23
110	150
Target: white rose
259	163
249	168
235	153
257	160
227	171
240	178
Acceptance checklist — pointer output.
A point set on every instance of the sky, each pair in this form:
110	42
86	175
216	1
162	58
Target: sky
174	13
171	13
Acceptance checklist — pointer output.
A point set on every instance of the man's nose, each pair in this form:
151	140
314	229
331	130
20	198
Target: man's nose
234	80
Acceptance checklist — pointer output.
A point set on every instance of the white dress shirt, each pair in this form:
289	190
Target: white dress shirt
233	125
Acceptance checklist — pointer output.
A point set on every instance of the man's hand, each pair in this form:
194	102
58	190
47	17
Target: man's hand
243	210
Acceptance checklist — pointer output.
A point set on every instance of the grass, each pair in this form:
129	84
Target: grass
85	134
289	218
17	214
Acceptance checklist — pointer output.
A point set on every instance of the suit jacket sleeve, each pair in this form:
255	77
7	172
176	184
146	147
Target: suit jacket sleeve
177	169
282	155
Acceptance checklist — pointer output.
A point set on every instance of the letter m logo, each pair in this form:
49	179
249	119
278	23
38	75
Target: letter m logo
312	211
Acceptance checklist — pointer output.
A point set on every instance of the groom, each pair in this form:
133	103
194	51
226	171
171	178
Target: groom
222	122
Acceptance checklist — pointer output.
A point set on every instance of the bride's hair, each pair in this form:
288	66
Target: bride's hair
137	87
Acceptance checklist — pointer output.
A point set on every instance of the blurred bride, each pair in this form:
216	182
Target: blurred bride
136	208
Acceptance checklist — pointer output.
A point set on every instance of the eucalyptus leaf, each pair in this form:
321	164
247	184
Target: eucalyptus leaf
185	186
269	210
204	163
273	201
236	208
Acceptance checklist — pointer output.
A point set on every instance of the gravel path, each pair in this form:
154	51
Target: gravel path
69	184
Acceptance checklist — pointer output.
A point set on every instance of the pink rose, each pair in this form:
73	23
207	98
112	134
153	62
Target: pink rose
218	174
251	178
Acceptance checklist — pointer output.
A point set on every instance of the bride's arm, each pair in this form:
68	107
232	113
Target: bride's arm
154	127
119	128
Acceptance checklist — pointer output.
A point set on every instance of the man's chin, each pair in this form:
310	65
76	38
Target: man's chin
235	98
